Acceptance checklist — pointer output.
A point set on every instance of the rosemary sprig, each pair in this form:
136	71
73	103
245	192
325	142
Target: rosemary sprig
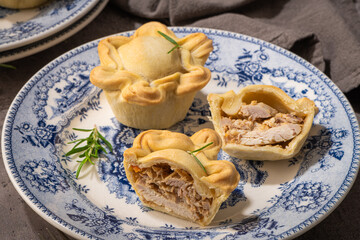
91	149
198	150
7	66
170	40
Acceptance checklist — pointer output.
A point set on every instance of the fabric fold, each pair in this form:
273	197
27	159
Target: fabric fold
323	32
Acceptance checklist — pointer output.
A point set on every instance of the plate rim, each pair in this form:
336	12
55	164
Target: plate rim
43	44
55	28
299	229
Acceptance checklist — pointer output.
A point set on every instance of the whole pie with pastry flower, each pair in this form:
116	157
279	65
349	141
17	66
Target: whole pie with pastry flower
261	122
150	78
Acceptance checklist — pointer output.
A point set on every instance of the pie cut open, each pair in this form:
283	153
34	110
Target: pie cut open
261	122
167	178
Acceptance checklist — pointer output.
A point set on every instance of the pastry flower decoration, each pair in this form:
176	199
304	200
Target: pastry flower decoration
166	176
261	122
147	85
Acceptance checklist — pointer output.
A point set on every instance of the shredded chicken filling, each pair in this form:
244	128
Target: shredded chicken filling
173	189
260	124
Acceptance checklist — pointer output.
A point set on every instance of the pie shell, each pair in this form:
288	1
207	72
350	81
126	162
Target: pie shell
274	97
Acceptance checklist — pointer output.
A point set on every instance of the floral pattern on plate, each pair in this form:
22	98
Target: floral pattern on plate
273	199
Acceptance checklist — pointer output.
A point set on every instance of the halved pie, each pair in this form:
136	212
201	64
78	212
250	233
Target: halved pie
261	122
168	178
148	83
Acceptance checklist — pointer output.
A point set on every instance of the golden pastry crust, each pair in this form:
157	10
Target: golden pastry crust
276	131
19	4
161	152
147	87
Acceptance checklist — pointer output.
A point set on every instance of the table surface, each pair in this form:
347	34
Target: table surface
19	221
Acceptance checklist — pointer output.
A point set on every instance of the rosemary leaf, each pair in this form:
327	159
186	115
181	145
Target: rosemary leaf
83	130
198	150
79	168
91	149
77	140
7	66
172	49
80	142
106	142
170	40
198	161
76	150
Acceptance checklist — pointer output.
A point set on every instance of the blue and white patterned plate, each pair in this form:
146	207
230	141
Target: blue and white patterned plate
273	199
35	47
22	27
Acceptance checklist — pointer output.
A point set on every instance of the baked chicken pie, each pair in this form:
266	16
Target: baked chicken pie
150	78
261	122
167	177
